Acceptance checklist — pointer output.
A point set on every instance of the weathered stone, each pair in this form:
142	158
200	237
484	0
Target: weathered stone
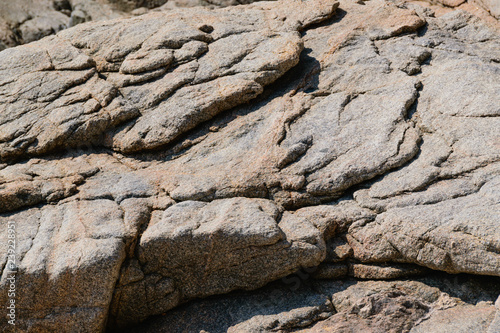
456	235
68	259
81	106
402	306
179	154
390	306
367	272
41	181
274	307
466	318
24	21
493	7
212	248
384	272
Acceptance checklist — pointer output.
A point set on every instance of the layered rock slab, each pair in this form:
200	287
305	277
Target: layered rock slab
68	258
78	105
99	60
25	21
22	21
456	235
342	306
451	188
384	77
195	249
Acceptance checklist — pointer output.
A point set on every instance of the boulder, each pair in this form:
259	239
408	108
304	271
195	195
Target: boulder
153	160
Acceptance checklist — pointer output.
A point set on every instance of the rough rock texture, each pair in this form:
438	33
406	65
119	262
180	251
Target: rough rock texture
487	10
195	249
24	21
193	72
433	304
149	161
492	6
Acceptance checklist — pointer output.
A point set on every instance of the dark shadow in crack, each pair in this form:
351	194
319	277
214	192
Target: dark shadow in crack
470	289
244	308
337	17
310	300
303	77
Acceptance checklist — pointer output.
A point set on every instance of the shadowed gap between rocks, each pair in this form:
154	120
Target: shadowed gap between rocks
299	301
291	82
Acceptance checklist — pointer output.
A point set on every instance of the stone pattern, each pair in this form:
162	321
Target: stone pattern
181	154
435	303
25	21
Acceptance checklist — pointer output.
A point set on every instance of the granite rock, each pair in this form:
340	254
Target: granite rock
420	305
183	153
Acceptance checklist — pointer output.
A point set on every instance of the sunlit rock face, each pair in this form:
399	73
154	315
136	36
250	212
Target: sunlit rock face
154	160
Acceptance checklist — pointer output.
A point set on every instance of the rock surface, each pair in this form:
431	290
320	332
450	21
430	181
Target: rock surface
432	304
24	21
152	160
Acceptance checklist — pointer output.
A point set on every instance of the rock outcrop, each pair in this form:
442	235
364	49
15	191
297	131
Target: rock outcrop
436	303
149	161
24	21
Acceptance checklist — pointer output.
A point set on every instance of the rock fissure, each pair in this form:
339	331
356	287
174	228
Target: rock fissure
206	151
